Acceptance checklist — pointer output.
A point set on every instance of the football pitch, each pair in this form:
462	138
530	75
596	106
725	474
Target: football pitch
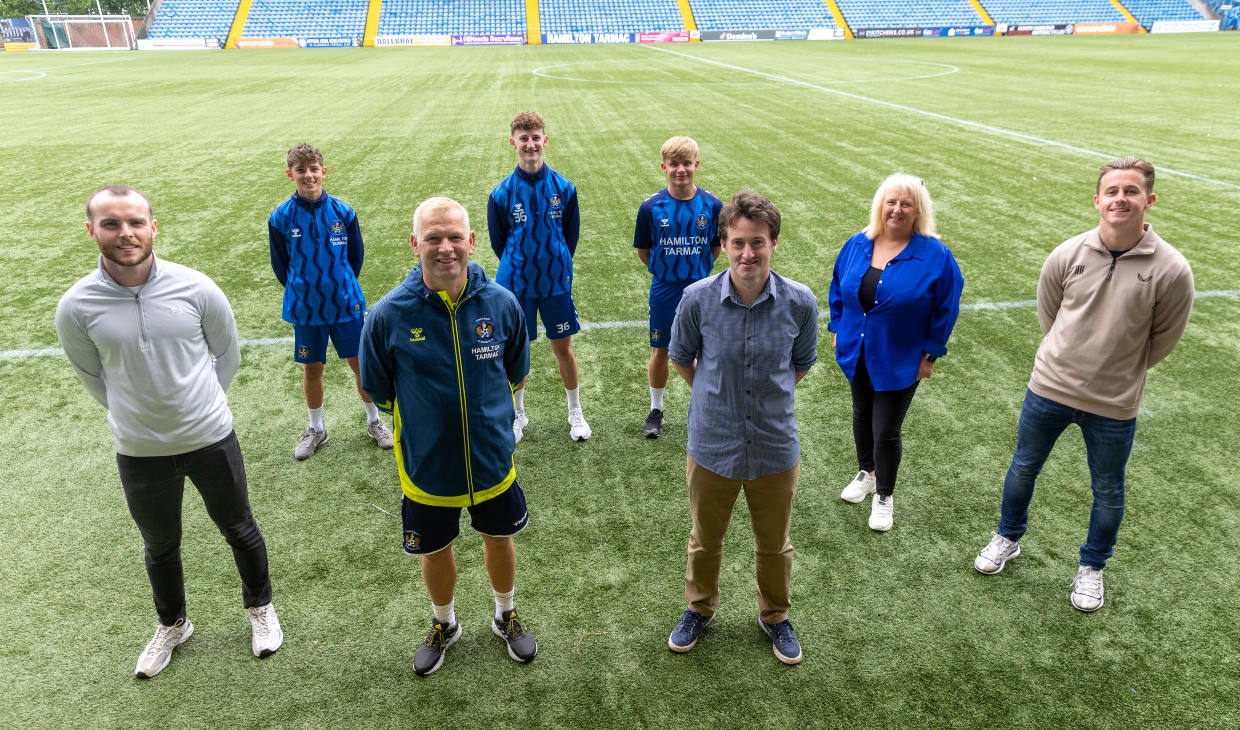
898	629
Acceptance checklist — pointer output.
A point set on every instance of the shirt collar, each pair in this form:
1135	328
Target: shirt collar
310	204
527	177
154	271
727	292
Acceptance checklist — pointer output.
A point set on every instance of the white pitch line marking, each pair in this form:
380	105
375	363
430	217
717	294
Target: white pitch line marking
942	117
623	324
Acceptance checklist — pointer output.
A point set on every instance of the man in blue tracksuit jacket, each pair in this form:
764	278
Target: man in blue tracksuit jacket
441	353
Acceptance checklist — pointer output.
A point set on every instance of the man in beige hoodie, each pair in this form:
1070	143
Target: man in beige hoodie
1112	302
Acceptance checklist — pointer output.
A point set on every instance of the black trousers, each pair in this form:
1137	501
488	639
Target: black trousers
154	486
878	417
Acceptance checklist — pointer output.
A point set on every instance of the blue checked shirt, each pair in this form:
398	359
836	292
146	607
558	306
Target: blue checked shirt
742	424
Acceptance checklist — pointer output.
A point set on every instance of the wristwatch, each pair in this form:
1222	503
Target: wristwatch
930	358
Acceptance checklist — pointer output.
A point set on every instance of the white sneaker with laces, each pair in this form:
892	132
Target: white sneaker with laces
518	426
859	488
158	652
578	429
881	512
266	636
308	443
1087	590
995	555
380	434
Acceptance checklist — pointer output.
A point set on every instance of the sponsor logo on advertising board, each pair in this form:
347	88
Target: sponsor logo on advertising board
792	35
1088	28
504	39
327	42
826	34
887	32
18	47
252	43
965	30
1042	29
664	36
1184	26
738	35
178	44
413	40
570	38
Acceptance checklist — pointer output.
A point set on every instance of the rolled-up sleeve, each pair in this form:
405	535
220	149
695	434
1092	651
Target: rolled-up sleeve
805	346
686	341
946	307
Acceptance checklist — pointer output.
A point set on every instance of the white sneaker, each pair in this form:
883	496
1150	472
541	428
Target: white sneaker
859	488
158	652
1087	589
518	426
380	434
881	517
578	430
995	555
266	636
308	443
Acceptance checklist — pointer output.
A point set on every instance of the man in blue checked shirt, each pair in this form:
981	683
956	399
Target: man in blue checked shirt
676	238
316	253
534	223
742	340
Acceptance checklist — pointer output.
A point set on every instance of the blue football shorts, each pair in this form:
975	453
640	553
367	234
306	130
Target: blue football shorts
429	529
310	340
664	298
559	316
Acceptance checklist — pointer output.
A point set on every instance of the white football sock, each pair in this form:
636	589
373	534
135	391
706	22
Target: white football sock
503	602
574	398
372	412
446	615
656	398
316	418
518	400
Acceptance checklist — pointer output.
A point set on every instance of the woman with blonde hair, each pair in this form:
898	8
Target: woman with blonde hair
895	295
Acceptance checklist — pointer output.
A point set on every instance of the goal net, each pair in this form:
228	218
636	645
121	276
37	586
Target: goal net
84	32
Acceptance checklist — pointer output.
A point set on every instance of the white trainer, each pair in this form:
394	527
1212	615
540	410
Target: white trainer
578	429
1087	589
518	426
158	652
308	443
266	636
380	434
881	512
859	488
995	555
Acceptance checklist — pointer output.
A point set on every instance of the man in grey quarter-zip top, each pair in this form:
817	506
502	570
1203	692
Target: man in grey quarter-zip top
156	344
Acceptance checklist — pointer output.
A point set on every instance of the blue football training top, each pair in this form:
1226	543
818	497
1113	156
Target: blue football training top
316	252
679	234
534	223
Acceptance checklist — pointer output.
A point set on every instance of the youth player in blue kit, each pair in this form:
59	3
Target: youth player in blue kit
316	253
534	223
677	240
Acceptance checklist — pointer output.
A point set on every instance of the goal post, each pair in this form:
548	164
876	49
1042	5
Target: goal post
84	32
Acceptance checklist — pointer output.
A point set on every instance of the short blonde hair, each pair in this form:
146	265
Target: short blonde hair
914	187
1128	163
679	148
434	205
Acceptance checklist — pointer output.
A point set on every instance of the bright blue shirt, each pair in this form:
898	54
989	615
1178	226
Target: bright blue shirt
316	253
916	305
533	222
679	233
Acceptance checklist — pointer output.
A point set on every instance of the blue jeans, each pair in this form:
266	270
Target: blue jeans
1108	443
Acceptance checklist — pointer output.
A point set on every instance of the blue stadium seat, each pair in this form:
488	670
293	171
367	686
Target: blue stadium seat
1149	12
1032	12
609	16
761	14
452	17
193	19
889	14
306	19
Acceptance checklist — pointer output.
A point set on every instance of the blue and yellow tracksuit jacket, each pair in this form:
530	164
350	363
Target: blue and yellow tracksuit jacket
445	371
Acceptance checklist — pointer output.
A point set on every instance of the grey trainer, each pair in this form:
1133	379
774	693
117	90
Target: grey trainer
309	443
380	434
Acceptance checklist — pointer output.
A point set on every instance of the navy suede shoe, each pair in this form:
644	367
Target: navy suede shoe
686	633
783	640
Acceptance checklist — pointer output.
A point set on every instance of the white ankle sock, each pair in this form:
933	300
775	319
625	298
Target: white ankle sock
445	614
574	398
316	418
656	398
372	412
518	400
503	602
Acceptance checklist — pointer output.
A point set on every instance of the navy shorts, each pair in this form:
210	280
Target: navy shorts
559	316
310	340
429	529
664	298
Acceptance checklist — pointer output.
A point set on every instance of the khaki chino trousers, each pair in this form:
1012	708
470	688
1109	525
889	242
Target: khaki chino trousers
711	499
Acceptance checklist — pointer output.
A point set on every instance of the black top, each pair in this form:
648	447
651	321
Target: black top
1117	254
869	285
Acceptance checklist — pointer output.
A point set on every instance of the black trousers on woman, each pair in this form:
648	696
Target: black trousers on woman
878	417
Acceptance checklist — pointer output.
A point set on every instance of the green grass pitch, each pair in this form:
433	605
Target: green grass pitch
898	629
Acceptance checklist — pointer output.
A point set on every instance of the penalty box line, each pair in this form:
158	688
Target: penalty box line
623	324
941	117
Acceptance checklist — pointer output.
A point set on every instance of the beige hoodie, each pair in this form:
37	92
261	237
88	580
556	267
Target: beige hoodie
1106	321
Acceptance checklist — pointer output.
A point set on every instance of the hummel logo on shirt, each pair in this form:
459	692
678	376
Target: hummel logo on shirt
1079	270
295	233
416	335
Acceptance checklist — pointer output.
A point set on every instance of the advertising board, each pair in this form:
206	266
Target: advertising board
327	42
1184	26
1042	29
17	47
738	35
887	32
1096	28
960	30
578	38
178	44
664	36
792	35
413	40
509	39
826	34
255	43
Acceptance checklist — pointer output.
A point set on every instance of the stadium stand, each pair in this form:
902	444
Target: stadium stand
193	19
888	14
1148	12
306	19
449	17
761	14
1030	12
609	16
